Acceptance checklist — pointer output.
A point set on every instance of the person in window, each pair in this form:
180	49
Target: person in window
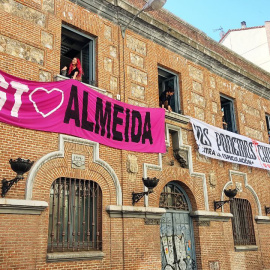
165	99
75	69
225	125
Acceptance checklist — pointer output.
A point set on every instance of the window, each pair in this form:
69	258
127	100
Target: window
79	45
242	222
267	119
228	117
75	219
166	80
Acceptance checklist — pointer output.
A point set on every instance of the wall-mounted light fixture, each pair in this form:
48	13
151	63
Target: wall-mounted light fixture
149	6
267	210
19	166
230	193
150	183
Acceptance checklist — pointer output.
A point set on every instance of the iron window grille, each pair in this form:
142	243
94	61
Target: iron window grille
242	222
75	217
172	198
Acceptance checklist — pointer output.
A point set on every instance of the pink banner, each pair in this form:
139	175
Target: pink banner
72	108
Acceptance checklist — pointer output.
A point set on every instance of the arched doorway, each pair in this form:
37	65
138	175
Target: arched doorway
176	230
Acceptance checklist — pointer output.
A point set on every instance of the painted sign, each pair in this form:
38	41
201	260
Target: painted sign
220	144
72	108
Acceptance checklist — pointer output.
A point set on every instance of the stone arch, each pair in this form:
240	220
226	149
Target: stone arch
60	154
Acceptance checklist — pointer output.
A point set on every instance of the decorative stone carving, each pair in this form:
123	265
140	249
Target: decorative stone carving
47	40
238	186
23	11
78	161
132	164
235	166
138	91
182	157
151	221
45	76
137	75
136	45
21	50
212	179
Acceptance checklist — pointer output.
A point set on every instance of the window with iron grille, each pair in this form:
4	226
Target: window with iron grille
75	218
242	222
173	198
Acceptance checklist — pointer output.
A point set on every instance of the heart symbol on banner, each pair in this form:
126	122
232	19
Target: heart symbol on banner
54	98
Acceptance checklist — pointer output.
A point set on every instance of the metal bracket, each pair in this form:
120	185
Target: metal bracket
219	204
267	210
6	185
137	196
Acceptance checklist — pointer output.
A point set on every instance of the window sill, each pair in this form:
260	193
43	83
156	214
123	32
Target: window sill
246	248
176	117
75	256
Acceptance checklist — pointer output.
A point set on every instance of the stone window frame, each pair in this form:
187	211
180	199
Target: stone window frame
267	120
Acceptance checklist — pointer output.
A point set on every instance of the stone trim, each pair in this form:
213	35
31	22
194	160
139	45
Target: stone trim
116	211
262	219
75	256
245	248
176	117
211	216
22	207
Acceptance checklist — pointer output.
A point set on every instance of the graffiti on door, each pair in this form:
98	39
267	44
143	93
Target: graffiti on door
177	252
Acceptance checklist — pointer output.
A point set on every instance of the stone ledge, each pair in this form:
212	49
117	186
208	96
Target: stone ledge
116	211
211	216
262	219
22	207
246	248
176	117
75	256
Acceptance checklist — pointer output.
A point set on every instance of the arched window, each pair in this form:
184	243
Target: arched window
75	218
173	198
242	222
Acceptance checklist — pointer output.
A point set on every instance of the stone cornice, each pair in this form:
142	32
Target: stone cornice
22	207
121	12
211	216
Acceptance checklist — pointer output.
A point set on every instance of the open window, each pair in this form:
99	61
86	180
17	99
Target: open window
79	45
267	119
228	114
166	80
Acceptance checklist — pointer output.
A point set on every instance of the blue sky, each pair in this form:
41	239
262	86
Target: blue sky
208	15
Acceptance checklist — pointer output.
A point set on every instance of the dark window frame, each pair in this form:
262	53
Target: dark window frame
75	216
242	222
84	48
171	79
227	105
267	120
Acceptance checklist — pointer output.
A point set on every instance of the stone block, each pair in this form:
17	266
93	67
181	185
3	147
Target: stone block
48	6
138	91
136	45
214	107
251	111
253	133
197	87
212	82
113	83
199	113
23	11
137	75
198	100
136	60
113	51
108	32
45	76
46	40
195	73
108	64
136	103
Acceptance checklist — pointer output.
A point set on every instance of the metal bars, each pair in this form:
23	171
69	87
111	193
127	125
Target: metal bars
242	222
75	216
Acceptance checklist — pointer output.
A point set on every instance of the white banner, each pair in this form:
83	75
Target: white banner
221	144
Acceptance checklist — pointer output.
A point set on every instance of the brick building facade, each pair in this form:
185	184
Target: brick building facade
158	50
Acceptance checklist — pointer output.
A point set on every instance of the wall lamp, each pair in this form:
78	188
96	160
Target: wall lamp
267	210
230	193
149	6
150	183
19	166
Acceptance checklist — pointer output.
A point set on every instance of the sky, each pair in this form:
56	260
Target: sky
208	15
